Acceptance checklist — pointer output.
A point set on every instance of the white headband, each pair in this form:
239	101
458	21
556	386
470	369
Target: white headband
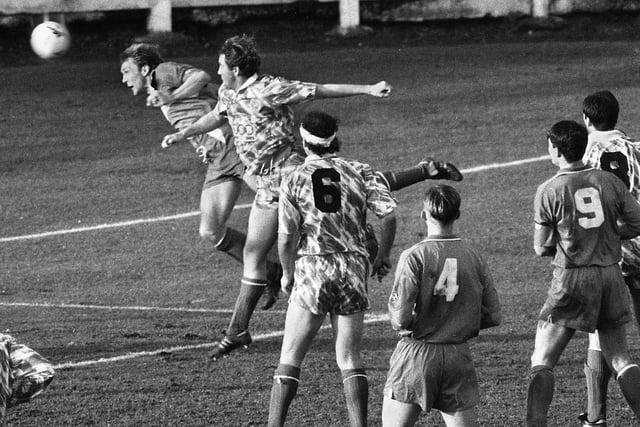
316	140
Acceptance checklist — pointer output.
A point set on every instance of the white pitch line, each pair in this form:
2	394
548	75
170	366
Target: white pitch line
130	308
195	213
372	318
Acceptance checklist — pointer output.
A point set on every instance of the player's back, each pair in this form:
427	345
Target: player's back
453	287
614	152
329	194
583	205
167	77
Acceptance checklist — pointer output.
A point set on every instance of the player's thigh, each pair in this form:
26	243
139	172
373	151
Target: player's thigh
399	414
551	340
300	327
262	231
347	333
613	342
460	419
217	203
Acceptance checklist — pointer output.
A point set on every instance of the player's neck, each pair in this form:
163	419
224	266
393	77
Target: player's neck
564	164
435	228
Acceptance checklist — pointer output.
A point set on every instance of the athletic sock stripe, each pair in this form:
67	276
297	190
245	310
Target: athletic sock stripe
625	369
285	377
353	376
222	239
253	282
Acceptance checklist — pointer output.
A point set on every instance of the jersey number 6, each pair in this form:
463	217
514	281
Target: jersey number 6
326	190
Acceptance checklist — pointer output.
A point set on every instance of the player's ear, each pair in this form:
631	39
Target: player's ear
423	215
144	70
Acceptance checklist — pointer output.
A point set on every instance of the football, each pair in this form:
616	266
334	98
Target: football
50	40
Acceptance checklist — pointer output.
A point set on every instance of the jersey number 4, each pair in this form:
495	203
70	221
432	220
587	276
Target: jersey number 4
588	203
447	284
326	189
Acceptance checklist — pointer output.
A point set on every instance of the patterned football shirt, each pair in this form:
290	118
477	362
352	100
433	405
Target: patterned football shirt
261	118
613	151
326	199
443	292
577	210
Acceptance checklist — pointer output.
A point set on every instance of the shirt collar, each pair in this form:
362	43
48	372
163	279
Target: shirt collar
312	157
248	82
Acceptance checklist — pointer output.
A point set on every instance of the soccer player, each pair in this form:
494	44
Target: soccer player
24	374
442	295
184	94
611	150
581	214
259	109
321	242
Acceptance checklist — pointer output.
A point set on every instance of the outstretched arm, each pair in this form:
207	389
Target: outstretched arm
194	80
380	90
210	121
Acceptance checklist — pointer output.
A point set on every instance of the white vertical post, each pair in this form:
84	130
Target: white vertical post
349	14
540	9
160	17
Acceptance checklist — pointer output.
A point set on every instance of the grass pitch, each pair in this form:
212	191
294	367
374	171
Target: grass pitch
129	312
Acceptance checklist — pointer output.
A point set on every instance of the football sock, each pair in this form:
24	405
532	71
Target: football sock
285	385
597	373
232	243
250	292
356	392
629	382
539	395
398	180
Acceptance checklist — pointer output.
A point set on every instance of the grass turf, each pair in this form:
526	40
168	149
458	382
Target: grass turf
78	150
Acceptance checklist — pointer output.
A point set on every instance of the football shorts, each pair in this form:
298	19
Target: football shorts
223	163
334	283
24	373
268	185
587	298
438	376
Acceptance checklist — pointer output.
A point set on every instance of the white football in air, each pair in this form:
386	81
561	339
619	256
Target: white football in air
50	40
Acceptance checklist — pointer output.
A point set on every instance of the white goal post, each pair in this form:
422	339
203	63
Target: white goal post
540	8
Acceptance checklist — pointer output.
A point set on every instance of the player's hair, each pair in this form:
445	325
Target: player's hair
142	54
602	109
241	51
321	125
570	138
442	202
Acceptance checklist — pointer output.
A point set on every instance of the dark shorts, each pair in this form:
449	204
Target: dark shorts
224	164
334	283
587	298
438	376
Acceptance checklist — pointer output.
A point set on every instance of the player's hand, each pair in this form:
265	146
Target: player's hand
286	284
203	153
381	267
381	89
156	98
172	139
